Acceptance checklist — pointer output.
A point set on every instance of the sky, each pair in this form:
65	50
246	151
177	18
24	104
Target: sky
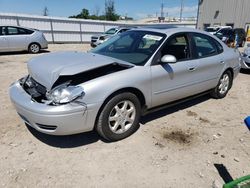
132	8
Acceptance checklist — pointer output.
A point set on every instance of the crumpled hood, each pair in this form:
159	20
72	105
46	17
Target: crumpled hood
46	69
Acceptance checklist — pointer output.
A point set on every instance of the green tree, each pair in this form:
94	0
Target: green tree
84	14
110	11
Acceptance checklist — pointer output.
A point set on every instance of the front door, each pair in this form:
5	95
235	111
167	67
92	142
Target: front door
16	40
171	82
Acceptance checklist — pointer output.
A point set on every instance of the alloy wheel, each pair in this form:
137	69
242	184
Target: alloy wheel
122	117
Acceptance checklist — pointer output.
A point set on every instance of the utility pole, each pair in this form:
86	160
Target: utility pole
162	10
181	10
162	18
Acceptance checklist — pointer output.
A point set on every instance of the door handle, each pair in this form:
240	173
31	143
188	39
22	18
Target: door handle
192	68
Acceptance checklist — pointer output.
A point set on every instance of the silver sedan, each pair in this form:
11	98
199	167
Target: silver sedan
110	87
14	38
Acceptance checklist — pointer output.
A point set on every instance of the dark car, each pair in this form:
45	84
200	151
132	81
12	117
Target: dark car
228	36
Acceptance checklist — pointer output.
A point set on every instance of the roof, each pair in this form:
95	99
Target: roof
169	29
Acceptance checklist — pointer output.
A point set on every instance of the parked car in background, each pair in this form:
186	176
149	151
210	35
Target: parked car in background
13	38
99	39
212	30
108	88
228	36
245	63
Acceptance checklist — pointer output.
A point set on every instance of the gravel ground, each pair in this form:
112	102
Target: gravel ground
176	147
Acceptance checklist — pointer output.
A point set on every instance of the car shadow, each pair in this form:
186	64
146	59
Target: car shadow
71	141
22	53
87	138
245	71
175	108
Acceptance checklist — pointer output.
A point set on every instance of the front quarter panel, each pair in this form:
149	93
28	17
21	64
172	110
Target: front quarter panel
99	89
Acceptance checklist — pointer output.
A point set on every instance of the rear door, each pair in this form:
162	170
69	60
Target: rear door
210	60
4	46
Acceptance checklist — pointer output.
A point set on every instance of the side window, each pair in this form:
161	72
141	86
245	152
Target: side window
204	45
12	31
1	32
178	47
219	46
22	31
29	31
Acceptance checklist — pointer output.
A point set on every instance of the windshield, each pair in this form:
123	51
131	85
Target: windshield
135	47
212	29
111	31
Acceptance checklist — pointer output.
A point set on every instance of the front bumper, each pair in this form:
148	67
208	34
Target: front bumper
245	63
65	119
94	44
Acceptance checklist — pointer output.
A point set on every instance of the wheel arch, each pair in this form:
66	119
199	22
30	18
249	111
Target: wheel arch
230	69
138	93
34	43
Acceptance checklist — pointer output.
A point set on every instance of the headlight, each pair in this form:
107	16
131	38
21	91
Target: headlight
102	38
65	94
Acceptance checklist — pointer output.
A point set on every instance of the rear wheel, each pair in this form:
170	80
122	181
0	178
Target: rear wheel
223	86
34	48
119	117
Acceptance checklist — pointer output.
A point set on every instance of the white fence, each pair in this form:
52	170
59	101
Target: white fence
63	30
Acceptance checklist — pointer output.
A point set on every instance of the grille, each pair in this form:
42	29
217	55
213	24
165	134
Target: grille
94	39
34	89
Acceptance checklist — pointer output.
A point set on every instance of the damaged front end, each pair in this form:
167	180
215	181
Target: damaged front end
62	94
66	88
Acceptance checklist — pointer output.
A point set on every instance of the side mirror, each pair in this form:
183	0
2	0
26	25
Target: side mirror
168	59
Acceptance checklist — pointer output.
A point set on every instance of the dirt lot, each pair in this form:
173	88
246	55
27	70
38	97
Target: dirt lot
177	147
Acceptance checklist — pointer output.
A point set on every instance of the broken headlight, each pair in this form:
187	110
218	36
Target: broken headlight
64	94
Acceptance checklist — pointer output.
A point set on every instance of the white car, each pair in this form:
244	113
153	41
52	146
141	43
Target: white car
14	38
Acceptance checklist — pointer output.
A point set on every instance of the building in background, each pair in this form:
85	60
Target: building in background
235	13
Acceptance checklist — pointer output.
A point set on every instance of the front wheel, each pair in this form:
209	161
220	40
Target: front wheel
119	118
223	86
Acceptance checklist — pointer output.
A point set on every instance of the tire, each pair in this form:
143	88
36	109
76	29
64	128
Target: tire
119	117
224	85
34	48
